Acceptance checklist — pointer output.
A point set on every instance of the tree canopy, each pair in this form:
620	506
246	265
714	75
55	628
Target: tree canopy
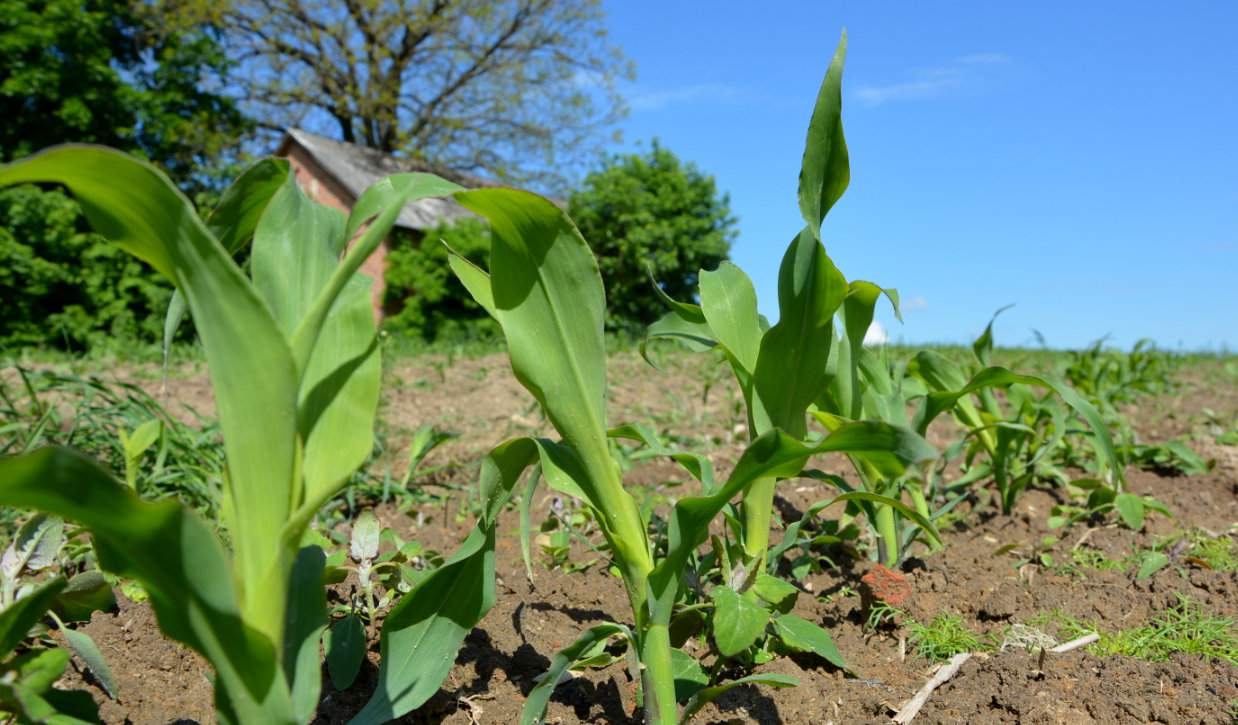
516	89
97	71
104	71
651	212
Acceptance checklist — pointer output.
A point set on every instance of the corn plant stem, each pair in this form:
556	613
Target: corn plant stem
659	676
887	532
758	510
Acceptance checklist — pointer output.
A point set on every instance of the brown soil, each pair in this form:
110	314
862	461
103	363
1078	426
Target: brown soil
977	577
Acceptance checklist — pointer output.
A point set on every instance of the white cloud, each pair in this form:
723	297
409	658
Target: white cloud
911	90
933	82
876	334
697	93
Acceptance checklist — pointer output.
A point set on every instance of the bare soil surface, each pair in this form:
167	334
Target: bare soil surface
981	576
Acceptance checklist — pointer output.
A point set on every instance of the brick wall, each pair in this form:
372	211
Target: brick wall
323	189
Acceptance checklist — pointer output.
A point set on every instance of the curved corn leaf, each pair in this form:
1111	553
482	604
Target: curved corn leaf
729	305
136	207
174	555
534	709
826	169
791	368
388	195
423	632
548	299
233	222
306	618
709	694
345	646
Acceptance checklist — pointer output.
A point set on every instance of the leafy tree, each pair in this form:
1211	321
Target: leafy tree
516	89
97	71
651	212
423	298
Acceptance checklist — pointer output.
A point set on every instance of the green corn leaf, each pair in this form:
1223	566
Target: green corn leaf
175	557
85	648
244	202
825	170
306	618
791	368
395	190
424	630
296	249
17	619
135	206
982	347
857	313
548	299
534	709
475	280
729	305
737	621
345	646
686	310
339	397
695	336
709	694
920	519
232	223
803	636
388	195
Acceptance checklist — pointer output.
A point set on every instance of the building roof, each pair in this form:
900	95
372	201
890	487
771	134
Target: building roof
356	168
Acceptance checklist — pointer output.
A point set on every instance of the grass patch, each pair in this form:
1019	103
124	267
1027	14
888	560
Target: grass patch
943	638
1186	627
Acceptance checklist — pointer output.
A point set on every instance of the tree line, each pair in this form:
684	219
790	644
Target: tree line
525	92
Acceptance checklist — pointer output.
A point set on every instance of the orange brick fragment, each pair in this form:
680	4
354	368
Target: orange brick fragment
886	585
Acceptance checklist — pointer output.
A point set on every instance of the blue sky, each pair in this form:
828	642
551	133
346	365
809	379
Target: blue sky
1079	160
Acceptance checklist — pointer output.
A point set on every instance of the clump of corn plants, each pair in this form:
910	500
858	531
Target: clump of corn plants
812	363
293	361
544	289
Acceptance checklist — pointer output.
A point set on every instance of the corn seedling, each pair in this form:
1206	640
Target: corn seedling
292	357
544	289
806	360
999	430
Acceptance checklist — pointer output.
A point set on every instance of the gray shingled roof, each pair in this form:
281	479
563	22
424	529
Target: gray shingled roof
357	168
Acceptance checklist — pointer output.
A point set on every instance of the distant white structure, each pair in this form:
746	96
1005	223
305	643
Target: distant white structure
876	334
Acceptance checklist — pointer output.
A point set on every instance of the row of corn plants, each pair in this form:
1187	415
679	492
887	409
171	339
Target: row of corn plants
294	363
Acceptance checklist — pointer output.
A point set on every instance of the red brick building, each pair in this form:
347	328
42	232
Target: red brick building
335	173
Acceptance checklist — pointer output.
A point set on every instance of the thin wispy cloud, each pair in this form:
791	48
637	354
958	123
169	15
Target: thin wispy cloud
656	100
933	82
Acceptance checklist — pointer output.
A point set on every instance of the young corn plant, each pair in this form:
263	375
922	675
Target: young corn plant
812	360
1015	445
293	362
544	289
